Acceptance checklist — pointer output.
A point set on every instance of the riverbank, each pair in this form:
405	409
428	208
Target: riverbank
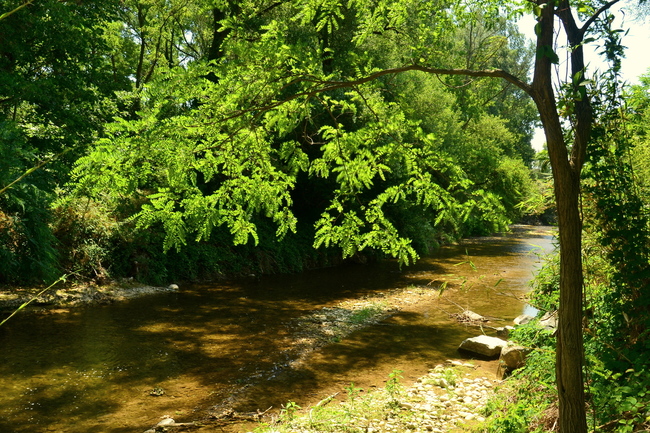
451	397
71	295
66	294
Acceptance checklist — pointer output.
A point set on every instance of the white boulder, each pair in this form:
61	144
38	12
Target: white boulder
483	345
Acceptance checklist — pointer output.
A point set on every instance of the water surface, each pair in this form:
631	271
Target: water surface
92	368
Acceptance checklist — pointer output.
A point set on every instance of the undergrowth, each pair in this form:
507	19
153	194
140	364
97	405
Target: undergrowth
360	412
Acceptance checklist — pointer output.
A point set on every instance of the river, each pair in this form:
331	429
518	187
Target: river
94	368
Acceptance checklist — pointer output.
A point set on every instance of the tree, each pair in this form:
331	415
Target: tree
237	145
567	154
53	85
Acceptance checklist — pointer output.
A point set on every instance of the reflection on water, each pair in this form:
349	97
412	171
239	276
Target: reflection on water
93	368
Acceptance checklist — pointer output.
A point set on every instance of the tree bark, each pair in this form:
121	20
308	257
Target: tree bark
566	178
569	351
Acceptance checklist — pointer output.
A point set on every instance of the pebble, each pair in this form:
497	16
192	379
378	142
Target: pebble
437	406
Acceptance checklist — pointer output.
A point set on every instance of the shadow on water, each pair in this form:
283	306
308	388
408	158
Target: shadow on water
92	369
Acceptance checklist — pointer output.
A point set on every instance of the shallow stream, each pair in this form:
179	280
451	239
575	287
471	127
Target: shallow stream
94	368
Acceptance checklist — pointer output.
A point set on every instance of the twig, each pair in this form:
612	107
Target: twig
62	278
326	400
6	14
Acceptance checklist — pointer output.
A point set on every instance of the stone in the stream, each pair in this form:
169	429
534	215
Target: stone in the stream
471	316
523	319
504	332
483	345
166	421
173	287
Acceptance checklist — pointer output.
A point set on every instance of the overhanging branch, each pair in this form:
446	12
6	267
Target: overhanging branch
595	16
321	86
7	14
494	73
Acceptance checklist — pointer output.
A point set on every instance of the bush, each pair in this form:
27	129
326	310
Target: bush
88	234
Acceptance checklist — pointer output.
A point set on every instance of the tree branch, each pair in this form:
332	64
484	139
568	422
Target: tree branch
6	14
494	73
321	86
33	169
595	16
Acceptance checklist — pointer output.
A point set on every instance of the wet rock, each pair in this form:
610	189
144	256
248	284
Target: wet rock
523	319
166	422
470	316
483	345
455	363
504	332
173	287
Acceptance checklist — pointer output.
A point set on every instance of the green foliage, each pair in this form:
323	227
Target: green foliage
620	226
545	295
366	313
27	247
199	173
512	182
53	87
621	400
393	386
88	235
450	375
288	411
540	203
520	404
229	122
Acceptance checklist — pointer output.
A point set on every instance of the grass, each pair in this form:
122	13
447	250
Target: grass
367	313
358	413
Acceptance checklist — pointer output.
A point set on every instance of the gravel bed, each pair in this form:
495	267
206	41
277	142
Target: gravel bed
450	398
440	402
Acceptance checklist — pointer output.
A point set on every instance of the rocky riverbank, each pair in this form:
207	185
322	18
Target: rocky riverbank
70	295
451	397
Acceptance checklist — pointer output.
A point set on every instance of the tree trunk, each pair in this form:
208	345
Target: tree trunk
566	178
569	351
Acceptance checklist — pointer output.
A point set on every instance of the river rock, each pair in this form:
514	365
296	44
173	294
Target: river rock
514	356
504	332
166	421
173	287
483	345
523	319
549	321
471	316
